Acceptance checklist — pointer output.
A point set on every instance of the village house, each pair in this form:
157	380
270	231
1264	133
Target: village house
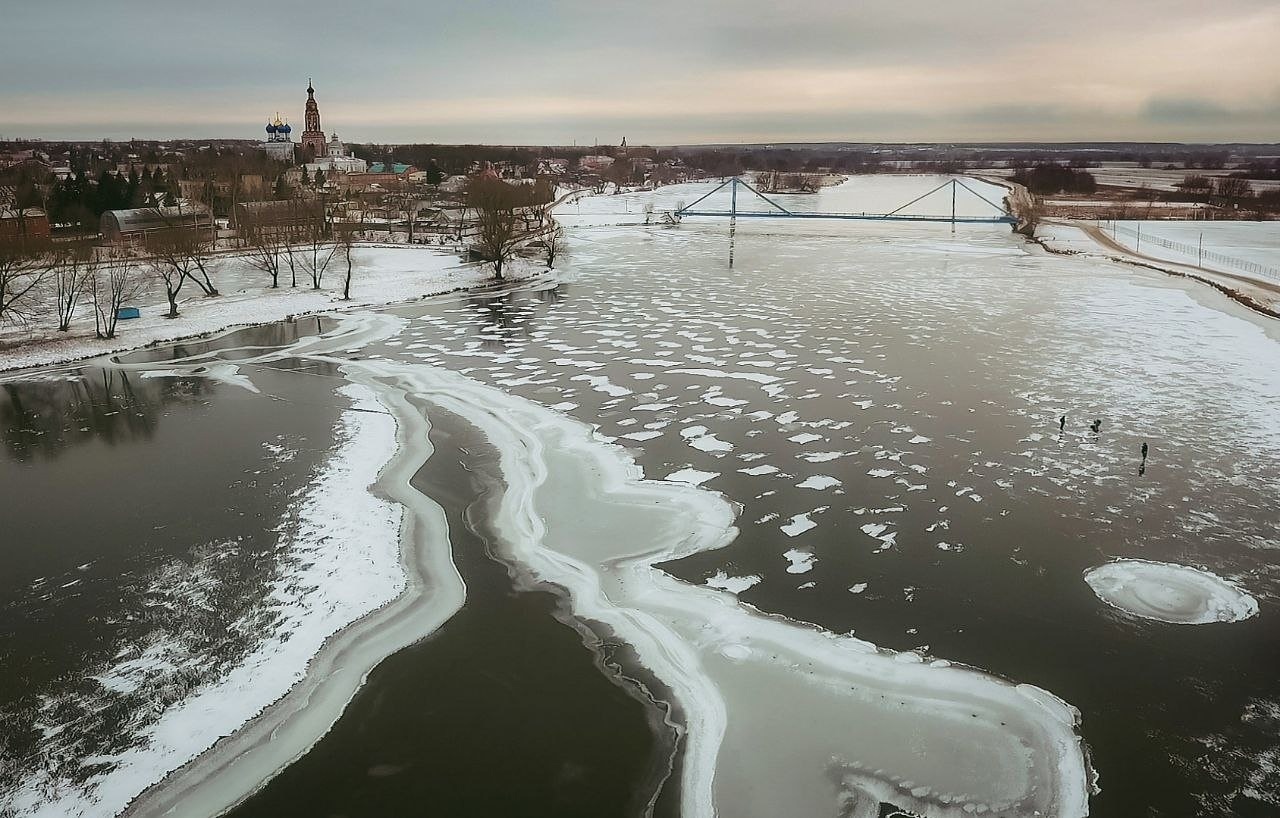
30	224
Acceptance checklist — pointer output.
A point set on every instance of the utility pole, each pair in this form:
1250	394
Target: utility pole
953	207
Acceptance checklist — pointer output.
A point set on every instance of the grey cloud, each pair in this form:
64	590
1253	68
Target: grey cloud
1181	110
218	68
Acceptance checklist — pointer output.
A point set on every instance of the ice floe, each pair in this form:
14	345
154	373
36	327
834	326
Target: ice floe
801	561
1167	592
734	585
797	525
820	482
692	477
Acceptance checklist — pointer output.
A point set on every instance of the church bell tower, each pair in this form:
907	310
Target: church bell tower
313	142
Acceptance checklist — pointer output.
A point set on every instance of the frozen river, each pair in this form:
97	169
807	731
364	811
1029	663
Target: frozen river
872	484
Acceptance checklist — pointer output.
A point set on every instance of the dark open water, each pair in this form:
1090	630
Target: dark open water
503	711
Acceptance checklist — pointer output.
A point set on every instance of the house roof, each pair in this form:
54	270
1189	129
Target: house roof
155	218
12	213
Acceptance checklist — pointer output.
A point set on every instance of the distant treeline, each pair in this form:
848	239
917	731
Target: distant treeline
1050	178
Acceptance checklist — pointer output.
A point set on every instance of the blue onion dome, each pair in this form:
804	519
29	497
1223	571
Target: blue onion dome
271	128
284	129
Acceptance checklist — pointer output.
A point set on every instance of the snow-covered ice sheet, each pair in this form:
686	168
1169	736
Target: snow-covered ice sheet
1165	592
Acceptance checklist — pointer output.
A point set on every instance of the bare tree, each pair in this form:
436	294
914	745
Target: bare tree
315	254
411	214
115	280
203	263
672	217
345	240
290	250
1232	188
168	277
70	271
499	227
266	246
23	268
554	239
306	220
266	253
621	172
184	252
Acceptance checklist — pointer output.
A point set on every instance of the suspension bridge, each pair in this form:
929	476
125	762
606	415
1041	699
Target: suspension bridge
1000	214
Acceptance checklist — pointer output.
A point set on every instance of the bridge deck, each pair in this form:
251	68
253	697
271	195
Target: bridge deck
878	217
999	216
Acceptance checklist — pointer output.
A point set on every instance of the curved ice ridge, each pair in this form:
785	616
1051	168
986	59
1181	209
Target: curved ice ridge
779	717
1167	592
223	763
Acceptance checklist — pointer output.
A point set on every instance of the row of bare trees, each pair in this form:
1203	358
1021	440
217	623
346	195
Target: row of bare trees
38	279
295	236
777	182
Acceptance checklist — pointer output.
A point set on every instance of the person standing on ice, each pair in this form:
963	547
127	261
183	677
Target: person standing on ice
1062	423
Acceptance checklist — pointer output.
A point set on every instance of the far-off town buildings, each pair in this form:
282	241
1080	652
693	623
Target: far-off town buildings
278	144
336	158
316	152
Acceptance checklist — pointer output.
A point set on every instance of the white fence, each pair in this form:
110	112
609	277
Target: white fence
1141	237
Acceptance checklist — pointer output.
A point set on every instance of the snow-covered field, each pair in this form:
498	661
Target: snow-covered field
1255	281
1248	248
1161	179
1165	180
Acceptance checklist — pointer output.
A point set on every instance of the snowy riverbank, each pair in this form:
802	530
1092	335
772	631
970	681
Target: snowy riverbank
381	275
1257	290
355	558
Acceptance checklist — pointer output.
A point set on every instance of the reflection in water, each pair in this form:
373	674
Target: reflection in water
107	405
132	574
733	231
243	343
506	314
310	366
551	295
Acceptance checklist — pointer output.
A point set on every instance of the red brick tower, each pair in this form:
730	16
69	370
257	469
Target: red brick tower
312	138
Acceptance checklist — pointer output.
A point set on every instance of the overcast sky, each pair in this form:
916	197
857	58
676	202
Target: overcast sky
658	72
